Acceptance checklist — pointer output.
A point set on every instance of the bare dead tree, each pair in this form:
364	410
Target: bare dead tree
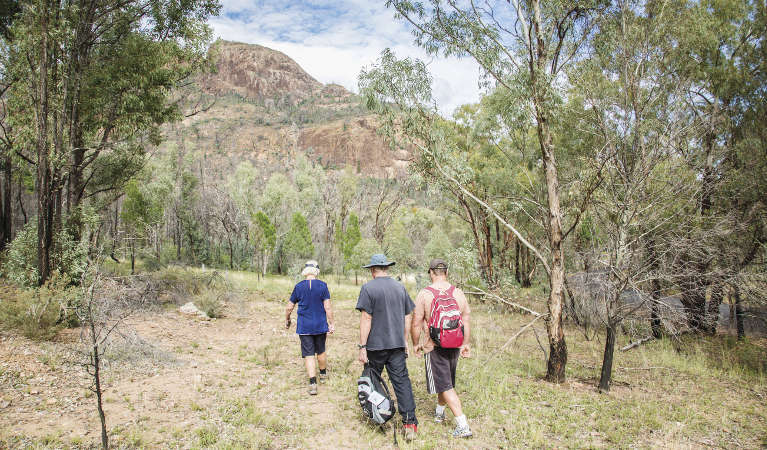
106	303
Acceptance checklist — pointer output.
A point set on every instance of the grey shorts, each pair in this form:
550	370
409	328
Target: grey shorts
441	364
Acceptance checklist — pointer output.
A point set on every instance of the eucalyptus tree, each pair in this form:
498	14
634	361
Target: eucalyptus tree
97	75
522	45
264	237
361	254
141	211
348	239
722	47
632	104
298	242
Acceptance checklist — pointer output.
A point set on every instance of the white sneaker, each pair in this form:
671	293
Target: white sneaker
439	418
462	432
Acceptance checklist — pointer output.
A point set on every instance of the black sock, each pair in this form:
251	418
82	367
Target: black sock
313	380
323	371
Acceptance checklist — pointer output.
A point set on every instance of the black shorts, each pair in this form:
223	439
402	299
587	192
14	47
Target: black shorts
441	364
312	344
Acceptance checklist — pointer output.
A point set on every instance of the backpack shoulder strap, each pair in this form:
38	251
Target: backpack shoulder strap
434	291
450	291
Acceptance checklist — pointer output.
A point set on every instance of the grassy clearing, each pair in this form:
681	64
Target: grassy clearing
664	392
248	388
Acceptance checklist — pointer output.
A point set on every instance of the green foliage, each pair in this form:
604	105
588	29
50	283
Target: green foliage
398	246
39	313
278	201
242	187
298	241
438	246
139	210
207	437
362	252
264	233
349	239
309	179
68	258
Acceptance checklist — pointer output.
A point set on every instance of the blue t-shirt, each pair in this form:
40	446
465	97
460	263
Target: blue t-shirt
310	296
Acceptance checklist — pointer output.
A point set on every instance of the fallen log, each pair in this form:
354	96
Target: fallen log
637	343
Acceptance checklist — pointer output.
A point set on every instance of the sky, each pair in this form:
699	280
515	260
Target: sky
333	39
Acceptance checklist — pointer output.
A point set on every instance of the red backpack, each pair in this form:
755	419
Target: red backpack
445	323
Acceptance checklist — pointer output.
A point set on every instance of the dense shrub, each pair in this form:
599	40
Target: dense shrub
211	302
68	257
39	313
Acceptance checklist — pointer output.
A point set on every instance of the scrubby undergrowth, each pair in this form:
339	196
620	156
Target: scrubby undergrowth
238	382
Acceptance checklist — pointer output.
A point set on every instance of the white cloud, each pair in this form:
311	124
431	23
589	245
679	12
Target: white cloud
333	40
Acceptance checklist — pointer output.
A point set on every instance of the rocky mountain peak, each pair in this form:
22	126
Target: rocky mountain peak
262	74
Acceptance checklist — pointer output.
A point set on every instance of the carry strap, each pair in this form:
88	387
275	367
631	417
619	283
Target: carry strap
394	430
436	293
447	292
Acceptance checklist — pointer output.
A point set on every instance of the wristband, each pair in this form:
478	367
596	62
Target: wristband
361	346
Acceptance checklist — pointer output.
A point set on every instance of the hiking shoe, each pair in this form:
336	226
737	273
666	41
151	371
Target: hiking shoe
439	418
411	430
323	377
313	389
462	432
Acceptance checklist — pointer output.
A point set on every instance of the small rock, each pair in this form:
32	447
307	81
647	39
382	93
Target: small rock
192	310
4	404
34	392
503	411
52	401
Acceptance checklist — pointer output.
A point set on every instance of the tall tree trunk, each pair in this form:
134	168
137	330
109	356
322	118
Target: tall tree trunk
655	322
488	251
6	213
557	347
694	301
712	311
19	191
133	257
231	253
180	152
44	194
555	370
516	261
607	361
738	314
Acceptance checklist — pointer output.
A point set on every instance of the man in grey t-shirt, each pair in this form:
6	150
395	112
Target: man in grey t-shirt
386	311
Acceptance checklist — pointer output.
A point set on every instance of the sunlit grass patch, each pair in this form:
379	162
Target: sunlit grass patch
207	436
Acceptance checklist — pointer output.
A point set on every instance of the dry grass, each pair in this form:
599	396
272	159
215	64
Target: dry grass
238	382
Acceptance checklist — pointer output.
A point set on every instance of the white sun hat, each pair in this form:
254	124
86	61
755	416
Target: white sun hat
311	267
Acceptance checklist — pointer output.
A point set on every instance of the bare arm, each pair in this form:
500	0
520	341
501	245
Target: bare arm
329	314
366	321
288	312
408	324
417	325
466	317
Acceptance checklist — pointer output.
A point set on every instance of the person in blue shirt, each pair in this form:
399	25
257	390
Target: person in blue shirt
314	321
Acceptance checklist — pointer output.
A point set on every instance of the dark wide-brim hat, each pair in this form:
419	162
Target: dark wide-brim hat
379	260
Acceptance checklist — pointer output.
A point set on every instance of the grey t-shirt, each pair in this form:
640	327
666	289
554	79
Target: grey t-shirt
388	302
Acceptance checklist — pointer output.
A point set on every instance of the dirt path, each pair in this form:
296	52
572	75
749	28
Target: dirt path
237	380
